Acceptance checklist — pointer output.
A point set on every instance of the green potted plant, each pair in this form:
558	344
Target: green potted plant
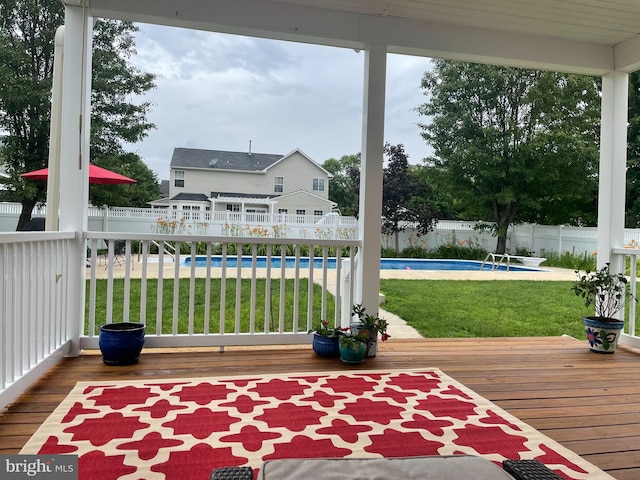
352	346
608	292
325	340
371	325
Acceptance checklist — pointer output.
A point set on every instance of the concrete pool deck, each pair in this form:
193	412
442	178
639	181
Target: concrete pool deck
398	328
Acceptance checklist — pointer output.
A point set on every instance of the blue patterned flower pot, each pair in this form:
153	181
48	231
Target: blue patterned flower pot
121	343
325	346
602	335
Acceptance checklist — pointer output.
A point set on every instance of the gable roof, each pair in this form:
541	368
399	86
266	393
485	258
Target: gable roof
307	157
306	194
209	159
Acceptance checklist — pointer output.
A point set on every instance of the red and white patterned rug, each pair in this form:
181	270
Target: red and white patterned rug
183	428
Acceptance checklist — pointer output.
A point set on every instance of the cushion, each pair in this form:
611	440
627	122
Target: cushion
452	467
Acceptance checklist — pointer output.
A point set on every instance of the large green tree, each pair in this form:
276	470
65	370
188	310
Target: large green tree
340	185
405	198
27	31
406	194
633	153
513	145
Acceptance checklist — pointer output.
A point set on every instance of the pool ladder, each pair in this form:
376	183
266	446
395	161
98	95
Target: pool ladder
497	259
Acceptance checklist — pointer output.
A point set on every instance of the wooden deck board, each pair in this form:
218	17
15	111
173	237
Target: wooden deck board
588	402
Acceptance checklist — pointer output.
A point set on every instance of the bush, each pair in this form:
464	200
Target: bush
570	260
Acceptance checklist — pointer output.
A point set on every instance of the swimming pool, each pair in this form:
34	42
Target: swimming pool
385	263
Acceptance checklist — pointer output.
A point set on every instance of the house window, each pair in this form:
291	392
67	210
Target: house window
278	184
318	213
301	211
178	179
283	210
318	184
233	207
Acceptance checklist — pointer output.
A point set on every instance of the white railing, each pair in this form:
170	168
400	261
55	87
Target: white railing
630	335
192	301
35	326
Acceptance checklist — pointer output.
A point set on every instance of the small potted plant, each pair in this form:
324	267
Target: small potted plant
352	346
325	340
371	325
608	292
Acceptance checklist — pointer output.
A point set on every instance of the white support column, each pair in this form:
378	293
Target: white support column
613	164
367	288
74	156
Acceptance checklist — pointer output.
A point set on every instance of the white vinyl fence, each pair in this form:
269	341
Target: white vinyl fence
533	238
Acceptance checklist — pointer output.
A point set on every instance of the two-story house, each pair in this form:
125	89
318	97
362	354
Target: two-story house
215	180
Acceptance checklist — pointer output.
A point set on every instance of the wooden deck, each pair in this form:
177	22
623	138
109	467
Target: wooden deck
588	402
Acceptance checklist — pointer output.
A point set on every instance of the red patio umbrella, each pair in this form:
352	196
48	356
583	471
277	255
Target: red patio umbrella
97	176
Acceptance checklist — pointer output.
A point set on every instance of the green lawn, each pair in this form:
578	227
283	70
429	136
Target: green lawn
436	308
214	308
519	308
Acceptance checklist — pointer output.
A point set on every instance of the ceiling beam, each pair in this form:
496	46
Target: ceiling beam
627	55
262	18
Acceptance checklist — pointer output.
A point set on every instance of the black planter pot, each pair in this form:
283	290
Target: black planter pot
121	343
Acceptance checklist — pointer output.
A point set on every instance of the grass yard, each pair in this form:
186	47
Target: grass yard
459	308
200	310
436	308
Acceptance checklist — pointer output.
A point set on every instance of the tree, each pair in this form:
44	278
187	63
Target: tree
27	31
136	195
513	145
340	185
633	153
406	196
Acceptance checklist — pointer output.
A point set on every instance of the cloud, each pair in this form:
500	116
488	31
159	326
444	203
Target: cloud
220	91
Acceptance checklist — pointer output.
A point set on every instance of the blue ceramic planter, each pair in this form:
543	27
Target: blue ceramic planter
325	346
121	343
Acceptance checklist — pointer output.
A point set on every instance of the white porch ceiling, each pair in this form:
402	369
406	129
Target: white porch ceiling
582	36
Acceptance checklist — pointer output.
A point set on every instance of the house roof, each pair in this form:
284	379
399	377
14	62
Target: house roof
241	195
191	197
219	159
164	188
309	194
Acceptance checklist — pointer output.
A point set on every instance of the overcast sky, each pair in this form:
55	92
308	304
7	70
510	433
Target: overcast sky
218	91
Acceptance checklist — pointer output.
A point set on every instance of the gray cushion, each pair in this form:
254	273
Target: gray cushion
454	467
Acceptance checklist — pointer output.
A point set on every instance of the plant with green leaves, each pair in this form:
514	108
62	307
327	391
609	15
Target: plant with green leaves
607	291
326	330
372	322
352	340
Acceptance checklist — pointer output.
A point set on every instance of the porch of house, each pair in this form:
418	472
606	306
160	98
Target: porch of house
589	403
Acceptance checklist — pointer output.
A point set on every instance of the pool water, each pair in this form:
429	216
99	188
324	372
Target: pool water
385	263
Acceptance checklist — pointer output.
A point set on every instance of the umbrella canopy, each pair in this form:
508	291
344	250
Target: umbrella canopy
97	176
